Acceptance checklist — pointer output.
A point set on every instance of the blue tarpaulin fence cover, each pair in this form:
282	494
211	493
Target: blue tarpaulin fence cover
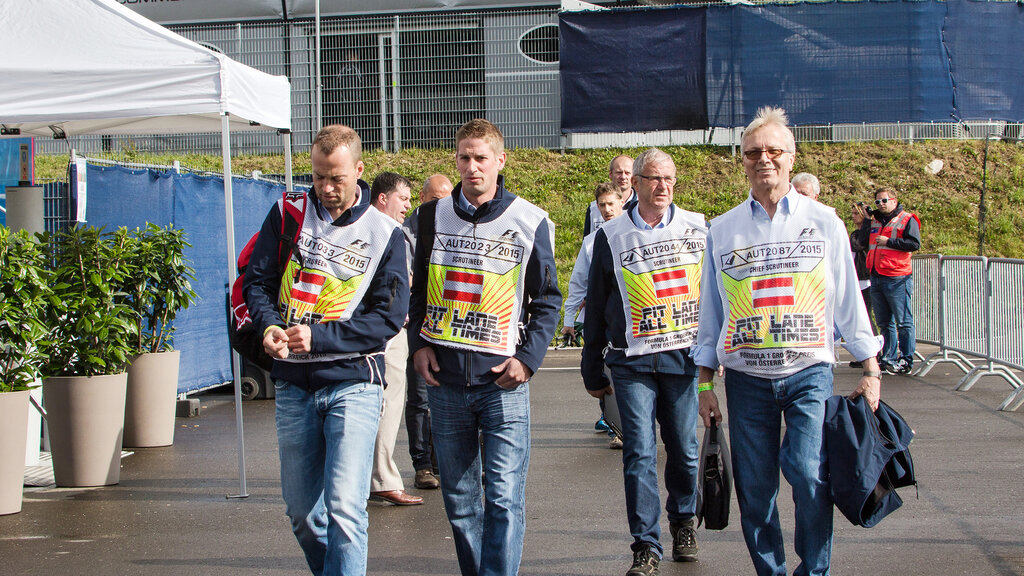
122	197
646	69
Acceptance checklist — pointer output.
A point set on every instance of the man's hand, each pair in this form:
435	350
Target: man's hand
707	402
300	339
568	330
869	387
513	373
424	361
882	240
606	391
275	342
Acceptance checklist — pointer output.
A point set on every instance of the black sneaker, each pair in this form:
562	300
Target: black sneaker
645	562
888	368
684	542
903	367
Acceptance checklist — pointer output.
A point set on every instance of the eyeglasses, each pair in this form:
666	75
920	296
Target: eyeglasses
772	153
881	201
667	180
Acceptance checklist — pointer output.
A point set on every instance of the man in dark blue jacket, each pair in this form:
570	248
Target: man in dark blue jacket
642	302
483	310
327	302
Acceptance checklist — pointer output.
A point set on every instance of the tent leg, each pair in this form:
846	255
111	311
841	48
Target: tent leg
229	212
286	141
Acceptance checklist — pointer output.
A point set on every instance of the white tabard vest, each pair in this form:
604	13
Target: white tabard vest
596	219
336	266
476	278
658	273
779	295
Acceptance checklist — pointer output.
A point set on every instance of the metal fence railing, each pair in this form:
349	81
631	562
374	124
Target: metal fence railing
979	306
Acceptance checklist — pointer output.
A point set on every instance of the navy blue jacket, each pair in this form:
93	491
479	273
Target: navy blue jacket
541	305
606	324
377	318
868	457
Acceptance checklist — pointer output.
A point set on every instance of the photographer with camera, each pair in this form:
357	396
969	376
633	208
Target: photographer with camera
859	213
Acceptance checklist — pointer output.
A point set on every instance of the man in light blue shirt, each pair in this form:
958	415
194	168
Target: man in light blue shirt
778	277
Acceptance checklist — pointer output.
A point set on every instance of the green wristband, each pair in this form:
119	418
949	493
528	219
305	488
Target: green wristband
705	386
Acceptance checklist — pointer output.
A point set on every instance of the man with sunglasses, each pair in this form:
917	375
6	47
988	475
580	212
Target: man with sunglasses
892	235
642	300
778	278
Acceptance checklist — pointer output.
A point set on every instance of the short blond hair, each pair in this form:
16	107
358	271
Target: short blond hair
770	115
331	137
484	130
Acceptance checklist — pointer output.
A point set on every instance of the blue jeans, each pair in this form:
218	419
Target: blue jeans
488	519
890	301
670	399
325	440
756	408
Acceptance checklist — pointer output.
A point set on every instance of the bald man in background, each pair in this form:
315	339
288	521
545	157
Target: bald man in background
417	413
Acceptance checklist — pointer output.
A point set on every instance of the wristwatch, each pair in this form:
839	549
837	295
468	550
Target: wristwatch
873	373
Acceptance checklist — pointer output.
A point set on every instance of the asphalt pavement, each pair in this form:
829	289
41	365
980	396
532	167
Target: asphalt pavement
171	514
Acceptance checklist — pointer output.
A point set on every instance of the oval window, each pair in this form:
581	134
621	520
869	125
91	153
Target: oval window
540	44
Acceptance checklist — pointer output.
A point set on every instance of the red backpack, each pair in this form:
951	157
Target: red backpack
241	331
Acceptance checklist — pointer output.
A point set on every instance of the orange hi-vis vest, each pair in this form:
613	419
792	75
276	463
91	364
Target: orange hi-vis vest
883	260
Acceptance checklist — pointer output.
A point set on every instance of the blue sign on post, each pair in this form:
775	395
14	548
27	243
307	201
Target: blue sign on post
17	168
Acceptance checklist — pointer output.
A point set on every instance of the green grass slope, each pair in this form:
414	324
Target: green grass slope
711	181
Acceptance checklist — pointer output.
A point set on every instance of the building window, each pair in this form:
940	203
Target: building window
540	44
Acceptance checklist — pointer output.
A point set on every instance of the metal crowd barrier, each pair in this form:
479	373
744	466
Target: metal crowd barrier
972	307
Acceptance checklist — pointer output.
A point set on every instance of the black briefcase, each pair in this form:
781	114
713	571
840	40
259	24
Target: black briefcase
714	480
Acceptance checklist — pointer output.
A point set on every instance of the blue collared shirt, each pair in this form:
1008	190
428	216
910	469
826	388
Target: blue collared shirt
464	203
634	215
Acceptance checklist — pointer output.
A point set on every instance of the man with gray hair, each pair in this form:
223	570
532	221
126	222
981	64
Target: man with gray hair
806	184
642	299
779	276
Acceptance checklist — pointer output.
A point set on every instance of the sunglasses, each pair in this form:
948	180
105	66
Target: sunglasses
772	153
881	201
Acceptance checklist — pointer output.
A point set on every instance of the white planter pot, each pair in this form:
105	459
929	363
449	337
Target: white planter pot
151	400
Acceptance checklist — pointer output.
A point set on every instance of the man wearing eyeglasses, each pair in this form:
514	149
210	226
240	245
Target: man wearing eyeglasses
642	295
778	277
892	235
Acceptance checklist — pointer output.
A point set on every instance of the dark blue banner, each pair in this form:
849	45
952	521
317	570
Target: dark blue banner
845	62
984	41
632	70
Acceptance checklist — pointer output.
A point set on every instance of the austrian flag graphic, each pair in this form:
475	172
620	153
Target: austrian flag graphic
308	287
670	283
463	286
773	292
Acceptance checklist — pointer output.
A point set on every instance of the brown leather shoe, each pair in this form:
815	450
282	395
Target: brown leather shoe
425	480
396	497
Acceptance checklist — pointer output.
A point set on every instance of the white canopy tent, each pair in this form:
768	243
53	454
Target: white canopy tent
95	67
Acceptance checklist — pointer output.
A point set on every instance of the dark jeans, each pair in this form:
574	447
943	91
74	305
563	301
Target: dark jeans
417	421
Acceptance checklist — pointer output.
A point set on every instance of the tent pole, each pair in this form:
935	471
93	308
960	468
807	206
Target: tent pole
286	140
229	212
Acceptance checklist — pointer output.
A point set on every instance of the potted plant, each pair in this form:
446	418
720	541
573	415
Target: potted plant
159	289
91	337
24	293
